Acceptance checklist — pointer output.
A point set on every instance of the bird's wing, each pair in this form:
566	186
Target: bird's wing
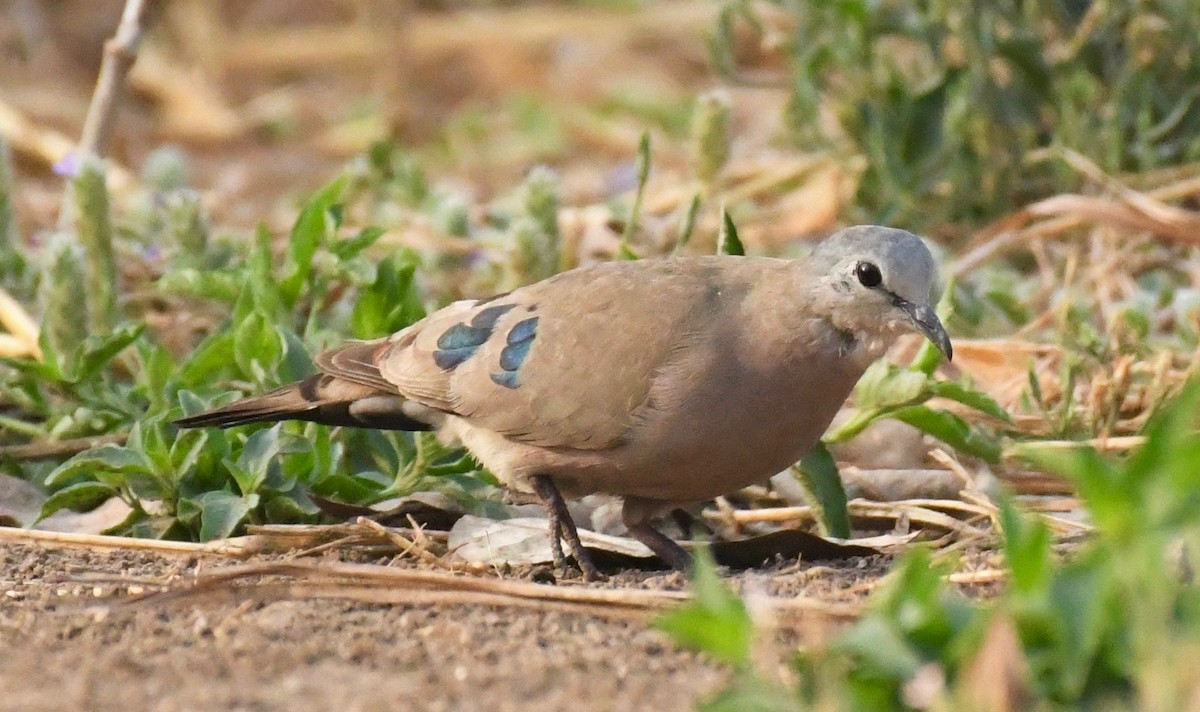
565	362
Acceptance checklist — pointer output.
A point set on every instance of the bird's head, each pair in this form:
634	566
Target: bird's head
876	281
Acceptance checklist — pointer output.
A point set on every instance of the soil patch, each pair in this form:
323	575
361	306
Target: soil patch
70	638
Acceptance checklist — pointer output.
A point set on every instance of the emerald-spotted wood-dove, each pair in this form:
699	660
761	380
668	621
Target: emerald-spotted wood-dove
662	381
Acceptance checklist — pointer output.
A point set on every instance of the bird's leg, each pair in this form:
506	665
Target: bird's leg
684	520
663	546
563	527
636	513
688	523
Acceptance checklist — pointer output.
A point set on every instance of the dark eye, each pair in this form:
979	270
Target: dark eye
868	275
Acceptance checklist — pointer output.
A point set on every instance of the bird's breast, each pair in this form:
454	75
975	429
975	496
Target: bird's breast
708	430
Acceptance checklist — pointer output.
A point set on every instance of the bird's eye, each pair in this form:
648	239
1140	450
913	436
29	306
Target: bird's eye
868	275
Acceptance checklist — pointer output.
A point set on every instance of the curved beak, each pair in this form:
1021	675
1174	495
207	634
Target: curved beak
927	322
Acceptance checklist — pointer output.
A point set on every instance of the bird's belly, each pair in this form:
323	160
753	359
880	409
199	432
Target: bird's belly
690	456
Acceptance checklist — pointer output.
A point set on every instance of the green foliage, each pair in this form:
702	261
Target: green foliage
688	226
715	621
206	484
15	273
890	391
710	134
947	100
62	293
818	474
94	231
728	242
1095	631
642	169
535	230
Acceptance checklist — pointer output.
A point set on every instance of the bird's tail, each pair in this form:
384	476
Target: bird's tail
322	399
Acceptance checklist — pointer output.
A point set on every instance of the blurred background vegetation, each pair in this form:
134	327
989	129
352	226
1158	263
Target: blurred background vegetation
284	175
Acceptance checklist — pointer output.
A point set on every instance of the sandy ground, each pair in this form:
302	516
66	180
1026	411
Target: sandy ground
72	639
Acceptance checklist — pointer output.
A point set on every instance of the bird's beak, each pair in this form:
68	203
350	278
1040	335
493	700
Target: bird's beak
927	323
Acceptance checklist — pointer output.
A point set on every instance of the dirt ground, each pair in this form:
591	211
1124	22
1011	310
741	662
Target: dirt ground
71	638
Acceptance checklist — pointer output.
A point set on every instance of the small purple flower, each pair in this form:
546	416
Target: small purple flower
476	258
68	166
622	178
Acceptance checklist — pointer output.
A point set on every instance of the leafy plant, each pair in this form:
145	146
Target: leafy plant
947	100
1093	631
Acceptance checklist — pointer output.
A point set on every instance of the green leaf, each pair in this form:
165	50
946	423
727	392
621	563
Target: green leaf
643	174
254	463
751	693
211	360
952	430
285	508
186	451
221	512
391	302
728	242
296	364
885	385
154	443
818	474
350	248
1084	613
715	621
257	346
881	650
106	458
1027	549
688	226
45	370
1168	434
1100	481
98	351
625	253
978	400
81	496
353	489
221	286
928	358
316	222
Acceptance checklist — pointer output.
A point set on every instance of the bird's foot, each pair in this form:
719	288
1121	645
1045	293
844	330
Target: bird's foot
562	526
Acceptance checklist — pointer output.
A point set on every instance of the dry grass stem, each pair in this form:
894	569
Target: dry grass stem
18	322
982	576
408	547
378	584
52	449
223	547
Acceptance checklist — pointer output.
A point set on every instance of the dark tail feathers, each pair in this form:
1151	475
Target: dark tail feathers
320	399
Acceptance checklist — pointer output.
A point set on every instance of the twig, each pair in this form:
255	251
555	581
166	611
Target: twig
408	547
381	584
223	547
1116	443
51	449
982	576
120	52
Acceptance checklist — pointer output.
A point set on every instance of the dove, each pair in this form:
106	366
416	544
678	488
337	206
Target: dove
664	382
